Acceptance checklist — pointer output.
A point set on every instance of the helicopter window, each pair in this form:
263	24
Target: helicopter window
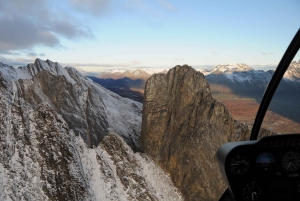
272	168
283	115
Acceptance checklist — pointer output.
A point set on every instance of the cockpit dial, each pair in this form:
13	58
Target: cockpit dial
251	191
239	164
291	161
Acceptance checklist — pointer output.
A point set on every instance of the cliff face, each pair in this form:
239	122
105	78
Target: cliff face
182	128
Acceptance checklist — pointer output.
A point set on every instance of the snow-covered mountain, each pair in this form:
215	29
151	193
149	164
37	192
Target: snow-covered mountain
42	159
239	73
140	73
241	79
293	72
243	73
50	117
89	109
239	67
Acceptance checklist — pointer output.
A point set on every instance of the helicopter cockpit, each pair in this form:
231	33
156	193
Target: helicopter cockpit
269	168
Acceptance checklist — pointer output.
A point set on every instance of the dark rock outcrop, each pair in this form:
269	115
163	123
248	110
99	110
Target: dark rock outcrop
182	128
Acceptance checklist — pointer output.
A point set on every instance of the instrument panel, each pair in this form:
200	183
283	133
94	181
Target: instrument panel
262	170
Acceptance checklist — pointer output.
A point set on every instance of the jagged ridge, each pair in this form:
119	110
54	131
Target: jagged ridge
89	109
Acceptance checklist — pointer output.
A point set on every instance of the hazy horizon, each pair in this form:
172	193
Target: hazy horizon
98	70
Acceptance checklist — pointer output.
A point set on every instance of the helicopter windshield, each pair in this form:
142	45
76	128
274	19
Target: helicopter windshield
241	89
283	115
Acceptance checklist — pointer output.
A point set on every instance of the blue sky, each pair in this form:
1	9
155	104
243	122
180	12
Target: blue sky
97	35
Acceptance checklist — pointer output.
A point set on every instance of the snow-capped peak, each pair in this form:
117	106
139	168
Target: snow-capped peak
117	71
29	71
204	71
293	72
239	72
239	67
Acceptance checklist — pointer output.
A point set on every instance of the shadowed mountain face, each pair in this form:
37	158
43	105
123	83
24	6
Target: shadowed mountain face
182	128
125	87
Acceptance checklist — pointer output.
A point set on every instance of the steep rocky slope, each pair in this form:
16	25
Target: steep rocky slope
49	117
89	109
182	128
42	159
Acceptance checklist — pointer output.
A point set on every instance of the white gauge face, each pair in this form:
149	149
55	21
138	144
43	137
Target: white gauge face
251	191
239	164
291	161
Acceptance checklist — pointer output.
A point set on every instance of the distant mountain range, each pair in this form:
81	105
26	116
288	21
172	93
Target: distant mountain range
239	79
139	73
226	81
239	72
245	81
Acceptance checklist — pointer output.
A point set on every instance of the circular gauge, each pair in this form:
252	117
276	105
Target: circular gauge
291	161
265	161
251	191
239	164
281	189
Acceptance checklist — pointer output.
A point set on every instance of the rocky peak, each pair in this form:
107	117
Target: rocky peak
3	65
182	128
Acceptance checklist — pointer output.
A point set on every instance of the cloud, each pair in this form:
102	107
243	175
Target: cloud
4	52
33	54
22	34
17	61
26	24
